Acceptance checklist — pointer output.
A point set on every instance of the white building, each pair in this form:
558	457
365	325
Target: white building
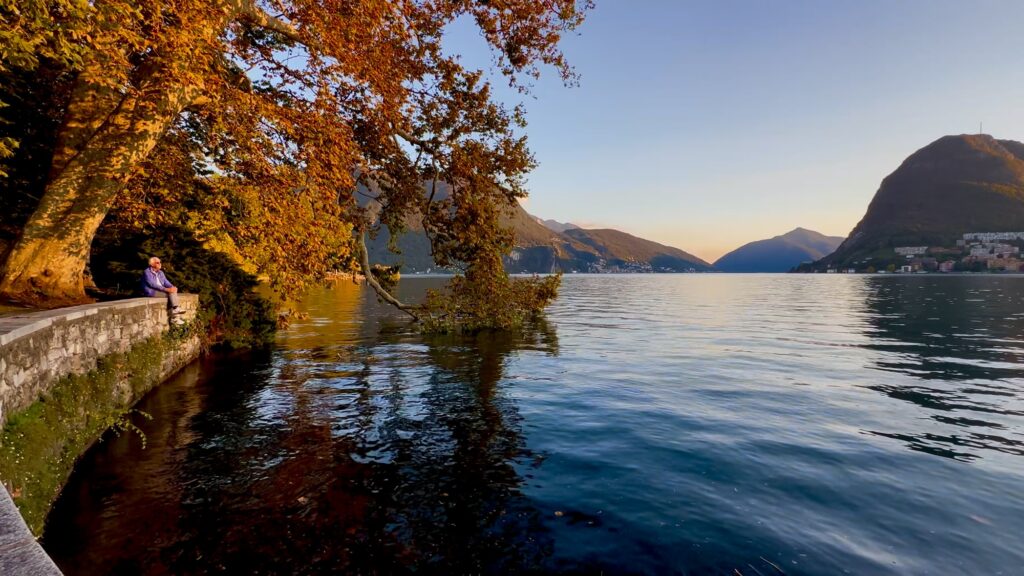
992	236
998	250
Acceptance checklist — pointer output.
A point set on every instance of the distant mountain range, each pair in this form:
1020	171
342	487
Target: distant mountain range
955	185
545	246
627	252
556	225
779	254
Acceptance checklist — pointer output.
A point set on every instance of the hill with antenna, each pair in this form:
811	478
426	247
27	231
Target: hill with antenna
955	185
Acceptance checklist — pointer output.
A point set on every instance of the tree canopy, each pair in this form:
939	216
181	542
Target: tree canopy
256	120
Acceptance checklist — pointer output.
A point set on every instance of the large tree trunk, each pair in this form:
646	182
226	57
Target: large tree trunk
105	136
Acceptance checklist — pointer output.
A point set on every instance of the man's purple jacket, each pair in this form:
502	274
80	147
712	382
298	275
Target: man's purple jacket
154	282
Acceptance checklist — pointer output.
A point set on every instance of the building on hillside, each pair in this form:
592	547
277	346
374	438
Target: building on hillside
1008	264
929	264
972	237
994	250
910	251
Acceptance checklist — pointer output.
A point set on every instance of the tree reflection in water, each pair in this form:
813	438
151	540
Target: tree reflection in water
961	342
343	452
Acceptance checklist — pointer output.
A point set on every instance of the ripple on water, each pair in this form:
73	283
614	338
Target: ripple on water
651	424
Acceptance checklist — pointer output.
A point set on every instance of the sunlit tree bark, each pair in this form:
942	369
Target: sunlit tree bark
103	139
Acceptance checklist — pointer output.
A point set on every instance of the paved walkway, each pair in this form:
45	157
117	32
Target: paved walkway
19	552
8	310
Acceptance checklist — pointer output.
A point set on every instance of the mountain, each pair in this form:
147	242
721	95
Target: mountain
779	254
957	184
625	251
541	249
556	225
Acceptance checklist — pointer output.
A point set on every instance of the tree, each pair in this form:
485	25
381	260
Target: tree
289	104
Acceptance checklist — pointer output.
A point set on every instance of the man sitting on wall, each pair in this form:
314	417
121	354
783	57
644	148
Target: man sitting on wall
155	282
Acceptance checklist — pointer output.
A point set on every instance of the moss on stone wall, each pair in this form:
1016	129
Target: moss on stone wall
39	446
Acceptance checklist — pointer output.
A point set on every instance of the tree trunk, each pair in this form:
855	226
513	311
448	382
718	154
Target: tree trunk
97	152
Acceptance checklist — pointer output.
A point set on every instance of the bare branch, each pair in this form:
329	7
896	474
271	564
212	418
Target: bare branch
405	135
364	263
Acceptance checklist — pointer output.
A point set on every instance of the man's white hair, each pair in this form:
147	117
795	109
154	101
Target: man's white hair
153	259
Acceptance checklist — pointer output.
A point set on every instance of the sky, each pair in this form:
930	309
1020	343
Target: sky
705	125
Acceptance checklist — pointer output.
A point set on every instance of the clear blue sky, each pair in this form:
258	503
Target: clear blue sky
706	125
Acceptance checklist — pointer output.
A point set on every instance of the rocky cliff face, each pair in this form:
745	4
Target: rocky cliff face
957	184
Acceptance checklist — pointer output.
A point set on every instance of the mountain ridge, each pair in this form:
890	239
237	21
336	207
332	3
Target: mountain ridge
555	225
779	253
954	185
622	248
541	249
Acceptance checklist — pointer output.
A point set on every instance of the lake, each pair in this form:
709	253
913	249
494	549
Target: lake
648	424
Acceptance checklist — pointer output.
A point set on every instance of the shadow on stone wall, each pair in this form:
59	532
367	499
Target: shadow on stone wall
234	314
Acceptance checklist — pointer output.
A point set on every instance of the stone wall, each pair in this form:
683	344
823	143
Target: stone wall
38	348
41	354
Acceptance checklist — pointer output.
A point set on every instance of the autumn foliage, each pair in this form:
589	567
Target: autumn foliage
252	122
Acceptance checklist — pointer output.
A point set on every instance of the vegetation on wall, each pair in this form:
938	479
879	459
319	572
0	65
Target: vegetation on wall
39	446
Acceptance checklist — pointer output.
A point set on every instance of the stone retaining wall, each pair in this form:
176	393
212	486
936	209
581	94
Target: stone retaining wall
38	348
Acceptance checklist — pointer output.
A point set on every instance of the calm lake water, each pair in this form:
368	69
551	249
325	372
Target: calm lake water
652	424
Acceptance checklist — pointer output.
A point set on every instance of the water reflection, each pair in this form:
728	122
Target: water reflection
689	424
453	490
959	341
340	453
961	328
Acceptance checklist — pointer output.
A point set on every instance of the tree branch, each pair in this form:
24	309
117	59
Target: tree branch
364	263
249	12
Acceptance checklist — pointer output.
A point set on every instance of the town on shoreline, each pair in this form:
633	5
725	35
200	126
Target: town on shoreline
998	252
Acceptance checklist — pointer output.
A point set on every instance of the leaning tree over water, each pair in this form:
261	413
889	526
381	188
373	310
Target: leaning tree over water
279	109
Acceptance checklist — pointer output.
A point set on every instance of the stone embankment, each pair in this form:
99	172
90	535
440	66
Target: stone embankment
58	370
38	348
